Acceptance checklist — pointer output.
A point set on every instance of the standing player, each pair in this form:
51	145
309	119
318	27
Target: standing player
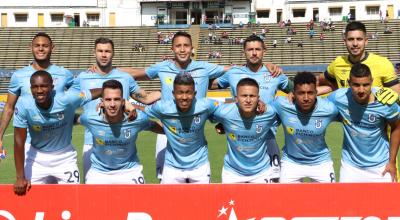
304	121
183	119
254	51
49	115
338	72
368	154
104	53
41	48
114	158
247	139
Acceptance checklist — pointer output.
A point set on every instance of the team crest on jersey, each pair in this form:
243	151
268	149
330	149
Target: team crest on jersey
127	133
232	136
37	128
371	117
318	123
197	119
60	116
99	141
267	78
290	130
259	129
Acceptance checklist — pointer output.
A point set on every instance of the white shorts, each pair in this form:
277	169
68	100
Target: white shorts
263	177
274	156
161	147
200	175
125	176
52	167
352	174
295	173
87	152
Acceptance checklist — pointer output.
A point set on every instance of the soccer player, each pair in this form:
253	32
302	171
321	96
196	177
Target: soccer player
368	154
254	51
305	120
104	53
114	158
247	138
41	48
338	72
183	119
49	115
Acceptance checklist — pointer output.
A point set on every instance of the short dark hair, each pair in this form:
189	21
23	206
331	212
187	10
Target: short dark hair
355	26
360	70
104	40
42	34
247	82
182	34
112	84
41	73
252	38
184	79
304	78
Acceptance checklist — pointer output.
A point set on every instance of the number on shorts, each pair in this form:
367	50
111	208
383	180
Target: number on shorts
274	160
139	180
73	175
332	175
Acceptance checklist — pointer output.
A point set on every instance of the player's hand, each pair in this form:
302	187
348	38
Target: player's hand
21	186
290	97
93	68
131	110
3	153
99	106
275	70
261	107
392	170
387	95
219	128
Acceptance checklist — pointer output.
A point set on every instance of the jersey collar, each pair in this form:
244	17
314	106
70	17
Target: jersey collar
362	60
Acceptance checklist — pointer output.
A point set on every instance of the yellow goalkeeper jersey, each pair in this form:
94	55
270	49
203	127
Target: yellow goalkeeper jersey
382	70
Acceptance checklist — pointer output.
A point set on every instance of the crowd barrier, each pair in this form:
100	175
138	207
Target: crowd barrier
204	202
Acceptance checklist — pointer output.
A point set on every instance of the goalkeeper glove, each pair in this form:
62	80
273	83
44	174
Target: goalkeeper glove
386	96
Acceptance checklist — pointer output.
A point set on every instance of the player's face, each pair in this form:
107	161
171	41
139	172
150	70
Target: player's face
247	98
41	49
184	95
113	102
305	96
41	88
104	54
254	52
355	42
361	88
182	49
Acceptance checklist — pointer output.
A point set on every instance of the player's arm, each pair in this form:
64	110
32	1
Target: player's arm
213	84
146	98
141	108
8	112
21	185
393	150
136	73
325	84
157	127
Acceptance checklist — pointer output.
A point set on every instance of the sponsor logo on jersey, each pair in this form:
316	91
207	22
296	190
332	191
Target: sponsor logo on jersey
99	141
60	115
169	81
172	128
37	128
290	130
232	136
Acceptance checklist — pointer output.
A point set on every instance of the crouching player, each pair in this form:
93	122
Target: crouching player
305	153
114	158
247	160
49	115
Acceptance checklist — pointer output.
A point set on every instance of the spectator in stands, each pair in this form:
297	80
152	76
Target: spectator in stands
348	17
241	41
135	47
288	23
241	25
263	31
288	40
397	69
228	19
225	35
140	48
210	36
388	30
311	33
300	43
274	43
281	24
321	37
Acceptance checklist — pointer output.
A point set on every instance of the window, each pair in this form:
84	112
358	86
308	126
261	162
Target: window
57	17
263	14
299	13
21	17
93	17
335	11
372	10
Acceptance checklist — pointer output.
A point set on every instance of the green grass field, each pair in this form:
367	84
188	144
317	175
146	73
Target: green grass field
146	149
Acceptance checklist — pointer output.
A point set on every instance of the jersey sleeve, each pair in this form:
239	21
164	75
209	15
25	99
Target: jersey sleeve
153	111
20	116
393	113
83	119
76	83
214	71
77	98
145	122
284	83
330	72
133	86
388	74
153	70
14	87
332	97
223	81
69	79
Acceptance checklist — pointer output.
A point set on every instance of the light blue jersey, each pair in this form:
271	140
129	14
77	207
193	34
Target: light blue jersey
20	80
365	142
50	129
114	145
305	133
89	80
246	139
201	72
187	145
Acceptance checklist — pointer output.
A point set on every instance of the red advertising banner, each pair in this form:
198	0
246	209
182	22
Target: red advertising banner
203	202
